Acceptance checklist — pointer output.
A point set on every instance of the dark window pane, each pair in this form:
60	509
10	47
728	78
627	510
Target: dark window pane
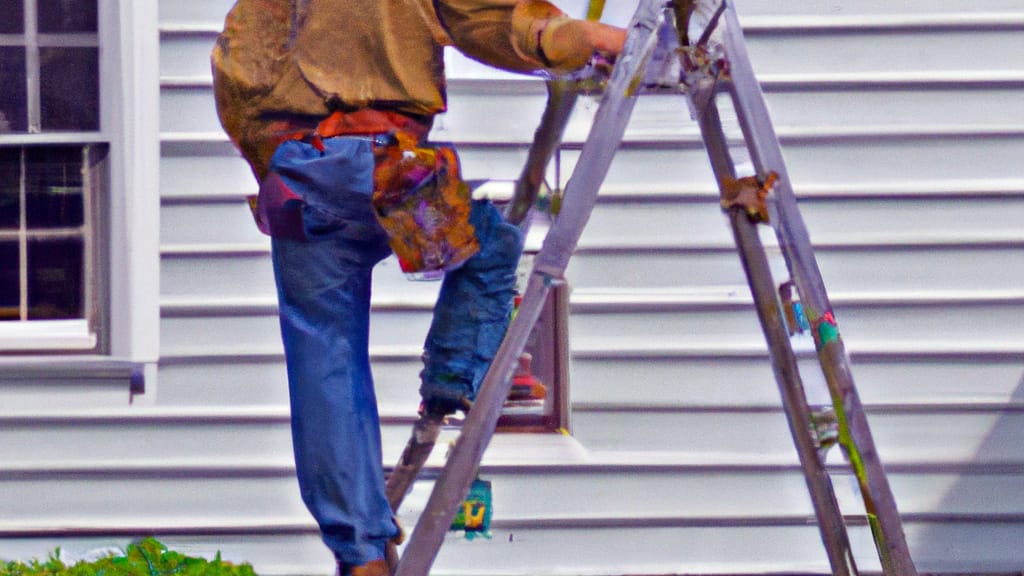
53	187
13	100
55	279
12	17
67	16
10	185
9	285
69	88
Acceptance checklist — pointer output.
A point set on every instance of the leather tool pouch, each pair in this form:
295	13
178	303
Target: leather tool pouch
423	204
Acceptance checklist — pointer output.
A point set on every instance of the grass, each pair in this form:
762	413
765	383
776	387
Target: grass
146	557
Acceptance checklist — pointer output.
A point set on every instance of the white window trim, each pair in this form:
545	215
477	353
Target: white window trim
130	111
134	244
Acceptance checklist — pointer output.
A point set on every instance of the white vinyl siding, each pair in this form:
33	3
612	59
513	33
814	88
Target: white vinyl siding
902	123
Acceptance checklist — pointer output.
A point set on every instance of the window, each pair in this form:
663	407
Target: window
49	66
48	244
52	180
539	399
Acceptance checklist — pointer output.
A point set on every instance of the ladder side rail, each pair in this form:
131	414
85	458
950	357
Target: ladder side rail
609	126
798	414
766	155
794	240
562	96
784	364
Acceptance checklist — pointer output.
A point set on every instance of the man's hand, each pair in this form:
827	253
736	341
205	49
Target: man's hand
559	42
569	44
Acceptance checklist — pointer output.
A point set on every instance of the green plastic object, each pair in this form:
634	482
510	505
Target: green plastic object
474	516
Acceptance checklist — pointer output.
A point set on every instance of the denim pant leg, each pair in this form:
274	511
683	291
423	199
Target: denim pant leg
324	300
472	312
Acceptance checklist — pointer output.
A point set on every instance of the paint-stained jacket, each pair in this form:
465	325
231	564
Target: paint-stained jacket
280	58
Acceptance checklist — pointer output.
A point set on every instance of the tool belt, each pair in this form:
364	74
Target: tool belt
418	197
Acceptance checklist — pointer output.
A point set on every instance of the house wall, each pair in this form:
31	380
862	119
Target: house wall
902	123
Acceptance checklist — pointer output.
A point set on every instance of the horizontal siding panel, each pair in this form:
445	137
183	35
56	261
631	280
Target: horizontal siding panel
198	499
220	335
844	106
250	333
241	381
901	437
633	499
694	222
27	394
845	269
188	110
202	222
212	176
703	550
124	440
211	12
244	381
864	7
636	497
982	323
223	275
709	381
186	54
209	276
207	12
872	160
709	436
885	52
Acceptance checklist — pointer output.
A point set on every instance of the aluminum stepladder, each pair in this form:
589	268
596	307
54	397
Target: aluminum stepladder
662	53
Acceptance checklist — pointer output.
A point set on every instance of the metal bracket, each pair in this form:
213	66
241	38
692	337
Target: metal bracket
750	194
824	427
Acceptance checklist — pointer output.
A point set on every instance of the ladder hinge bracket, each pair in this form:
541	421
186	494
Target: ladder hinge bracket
824	427
748	193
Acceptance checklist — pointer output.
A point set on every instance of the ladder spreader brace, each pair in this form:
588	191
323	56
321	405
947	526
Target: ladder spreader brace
661	53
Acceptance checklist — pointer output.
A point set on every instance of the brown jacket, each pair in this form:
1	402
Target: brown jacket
284	64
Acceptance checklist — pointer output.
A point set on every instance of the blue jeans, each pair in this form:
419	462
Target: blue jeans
323	285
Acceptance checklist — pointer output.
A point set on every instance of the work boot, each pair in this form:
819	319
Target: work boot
371	568
391	556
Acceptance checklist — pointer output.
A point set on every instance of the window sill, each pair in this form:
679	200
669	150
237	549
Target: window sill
81	369
46	336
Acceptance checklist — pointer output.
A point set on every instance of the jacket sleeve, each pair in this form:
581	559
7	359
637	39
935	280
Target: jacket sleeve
507	34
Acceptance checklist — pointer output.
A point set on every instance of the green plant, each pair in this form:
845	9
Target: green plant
146	557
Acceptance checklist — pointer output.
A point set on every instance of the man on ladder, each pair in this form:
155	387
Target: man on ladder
330	102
